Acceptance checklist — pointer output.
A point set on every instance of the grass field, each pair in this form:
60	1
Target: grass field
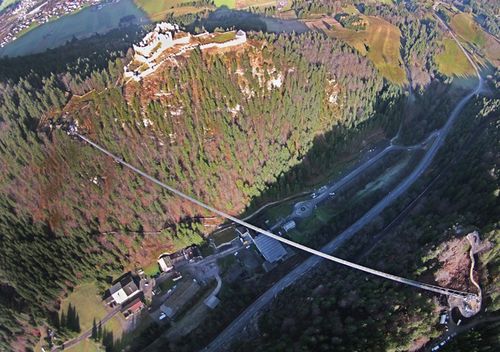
152	269
242	4
464	25
380	42
229	3
158	10
89	306
452	61
224	236
86	346
469	31
223	37
6	3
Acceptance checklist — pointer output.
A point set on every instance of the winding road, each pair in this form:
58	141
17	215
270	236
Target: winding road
222	341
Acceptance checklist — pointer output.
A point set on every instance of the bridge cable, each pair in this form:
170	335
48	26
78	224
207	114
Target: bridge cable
433	288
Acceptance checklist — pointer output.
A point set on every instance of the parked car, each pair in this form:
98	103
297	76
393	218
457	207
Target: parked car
162	316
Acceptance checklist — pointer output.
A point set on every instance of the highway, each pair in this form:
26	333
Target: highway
223	339
305	208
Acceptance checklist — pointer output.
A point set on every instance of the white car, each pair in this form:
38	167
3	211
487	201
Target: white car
162	316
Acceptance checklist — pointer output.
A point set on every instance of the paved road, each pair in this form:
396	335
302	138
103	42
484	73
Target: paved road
222	341
305	208
87	333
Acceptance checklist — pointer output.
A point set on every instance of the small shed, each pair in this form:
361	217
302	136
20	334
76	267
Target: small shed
289	225
211	301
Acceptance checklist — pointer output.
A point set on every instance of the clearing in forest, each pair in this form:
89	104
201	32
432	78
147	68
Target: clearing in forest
87	301
452	61
468	30
464	25
158	10
379	41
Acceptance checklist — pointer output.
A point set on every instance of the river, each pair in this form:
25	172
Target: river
85	23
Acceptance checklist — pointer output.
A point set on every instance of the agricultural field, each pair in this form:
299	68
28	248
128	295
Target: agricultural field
380	42
158	10
452	61
89	306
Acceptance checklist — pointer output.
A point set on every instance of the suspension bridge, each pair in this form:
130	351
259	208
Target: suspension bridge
470	299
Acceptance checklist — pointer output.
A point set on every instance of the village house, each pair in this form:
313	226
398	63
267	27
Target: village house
122	291
168	261
133	308
165	263
244	235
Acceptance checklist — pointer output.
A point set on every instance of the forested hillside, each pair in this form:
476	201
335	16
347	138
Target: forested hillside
352	311
236	128
220	127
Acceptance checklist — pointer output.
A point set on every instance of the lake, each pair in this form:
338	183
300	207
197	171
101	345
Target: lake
227	18
91	20
103	18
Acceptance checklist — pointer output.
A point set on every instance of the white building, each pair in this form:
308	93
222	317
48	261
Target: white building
289	226
122	291
165	263
165	36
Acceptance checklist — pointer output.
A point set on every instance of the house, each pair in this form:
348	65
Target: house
281	4
122	291
187	254
244	235
289	226
133	308
165	263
